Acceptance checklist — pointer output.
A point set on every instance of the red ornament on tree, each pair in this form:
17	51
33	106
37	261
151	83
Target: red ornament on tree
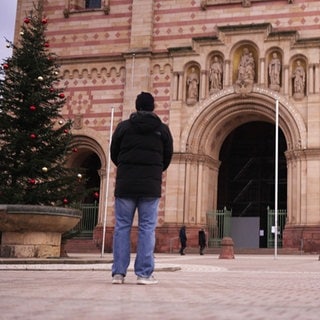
26	20
44	21
47	45
96	195
32	108
32	181
61	95
5	66
33	135
65	131
75	150
65	201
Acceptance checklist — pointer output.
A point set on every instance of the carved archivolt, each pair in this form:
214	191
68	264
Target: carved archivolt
210	125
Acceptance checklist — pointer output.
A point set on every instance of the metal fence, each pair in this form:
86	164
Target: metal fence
89	218
218	225
282	215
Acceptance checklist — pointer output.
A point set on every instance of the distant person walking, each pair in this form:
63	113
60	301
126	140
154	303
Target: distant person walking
183	240
202	241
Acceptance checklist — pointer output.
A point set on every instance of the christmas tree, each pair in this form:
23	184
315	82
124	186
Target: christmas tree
35	140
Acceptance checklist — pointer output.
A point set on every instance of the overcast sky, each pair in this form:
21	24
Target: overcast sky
7	22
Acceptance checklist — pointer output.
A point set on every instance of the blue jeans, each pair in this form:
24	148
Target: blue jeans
147	222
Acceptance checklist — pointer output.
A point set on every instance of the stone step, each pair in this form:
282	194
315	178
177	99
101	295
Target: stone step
81	246
257	251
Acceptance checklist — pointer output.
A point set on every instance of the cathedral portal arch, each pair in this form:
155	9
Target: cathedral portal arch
223	112
208	128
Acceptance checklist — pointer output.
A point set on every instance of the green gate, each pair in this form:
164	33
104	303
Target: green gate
218	226
89	219
282	215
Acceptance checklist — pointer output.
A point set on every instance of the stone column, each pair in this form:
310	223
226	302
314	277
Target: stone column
181	85
310	77
199	191
203	84
187	184
227	78
287	79
175	86
316	78
262	72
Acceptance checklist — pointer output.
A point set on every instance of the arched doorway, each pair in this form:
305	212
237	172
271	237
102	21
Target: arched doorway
91	164
246	176
89	156
206	133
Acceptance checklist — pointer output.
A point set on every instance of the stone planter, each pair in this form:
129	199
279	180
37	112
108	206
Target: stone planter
32	231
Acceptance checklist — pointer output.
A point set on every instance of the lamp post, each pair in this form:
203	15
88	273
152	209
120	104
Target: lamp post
107	185
276	182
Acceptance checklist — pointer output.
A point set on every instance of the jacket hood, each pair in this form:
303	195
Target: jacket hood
145	121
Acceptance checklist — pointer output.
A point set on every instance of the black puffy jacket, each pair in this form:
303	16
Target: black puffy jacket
141	148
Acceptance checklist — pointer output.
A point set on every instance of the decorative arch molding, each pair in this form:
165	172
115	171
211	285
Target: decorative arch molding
224	111
161	69
87	143
94	72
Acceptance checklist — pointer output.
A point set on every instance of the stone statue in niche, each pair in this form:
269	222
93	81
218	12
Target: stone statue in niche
215	75
274	72
246	73
192	87
299	81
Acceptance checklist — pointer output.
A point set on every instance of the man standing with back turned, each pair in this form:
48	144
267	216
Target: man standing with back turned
141	148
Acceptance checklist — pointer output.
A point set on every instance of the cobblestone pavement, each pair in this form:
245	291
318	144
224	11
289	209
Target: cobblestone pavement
259	287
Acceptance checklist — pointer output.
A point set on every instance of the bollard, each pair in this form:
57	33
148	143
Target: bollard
226	248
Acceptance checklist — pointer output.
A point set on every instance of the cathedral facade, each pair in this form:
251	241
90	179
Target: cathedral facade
218	70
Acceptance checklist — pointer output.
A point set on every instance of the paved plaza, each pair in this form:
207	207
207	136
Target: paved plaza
259	287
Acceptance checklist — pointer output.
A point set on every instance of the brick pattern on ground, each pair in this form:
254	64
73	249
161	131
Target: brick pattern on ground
203	287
